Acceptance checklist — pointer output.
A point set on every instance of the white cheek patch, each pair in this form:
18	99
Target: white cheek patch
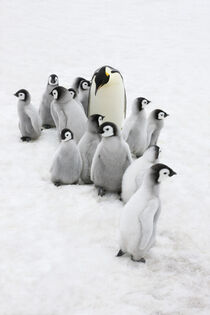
55	94
161	116
144	104
163	175
67	137
100	120
85	86
21	96
108	133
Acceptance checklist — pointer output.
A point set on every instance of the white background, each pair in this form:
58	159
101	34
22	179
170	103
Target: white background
58	245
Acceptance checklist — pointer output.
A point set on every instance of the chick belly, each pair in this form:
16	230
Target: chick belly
65	172
111	180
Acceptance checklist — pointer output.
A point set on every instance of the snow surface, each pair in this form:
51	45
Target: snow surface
58	245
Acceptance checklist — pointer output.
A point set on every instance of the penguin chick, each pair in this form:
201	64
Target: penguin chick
82	86
154	125
66	112
107	95
88	144
67	164
44	109
133	176
75	97
110	160
140	215
29	121
135	130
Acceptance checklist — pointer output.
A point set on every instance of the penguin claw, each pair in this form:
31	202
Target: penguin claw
101	192
120	253
57	184
142	260
26	139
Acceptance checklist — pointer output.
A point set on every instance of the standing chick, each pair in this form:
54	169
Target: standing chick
135	129
82	87
140	215
44	110
67	163
29	121
67	113
111	159
88	144
154	126
133	176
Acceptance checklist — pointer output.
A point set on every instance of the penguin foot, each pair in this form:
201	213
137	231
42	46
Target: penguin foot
46	126
142	260
57	184
101	192
120	253
26	139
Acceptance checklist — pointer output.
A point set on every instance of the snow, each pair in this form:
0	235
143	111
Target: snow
58	245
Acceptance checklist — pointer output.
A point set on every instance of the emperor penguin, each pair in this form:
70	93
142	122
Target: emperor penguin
88	144
154	125
107	95
135	127
66	112
67	164
111	159
133	176
139	217
82	87
44	109
29	121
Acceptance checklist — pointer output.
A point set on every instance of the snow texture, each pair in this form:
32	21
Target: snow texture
58	245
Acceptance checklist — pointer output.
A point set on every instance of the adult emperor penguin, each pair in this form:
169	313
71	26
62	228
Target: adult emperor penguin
140	215
44	109
82	87
107	95
133	176
154	125
135	127
66	112
29	121
111	159
88	144
67	163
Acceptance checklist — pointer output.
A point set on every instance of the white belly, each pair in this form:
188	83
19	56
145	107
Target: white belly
109	101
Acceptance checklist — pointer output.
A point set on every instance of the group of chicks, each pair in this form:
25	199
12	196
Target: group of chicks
93	150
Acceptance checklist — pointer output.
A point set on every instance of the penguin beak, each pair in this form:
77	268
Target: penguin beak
101	78
166	115
173	173
15	94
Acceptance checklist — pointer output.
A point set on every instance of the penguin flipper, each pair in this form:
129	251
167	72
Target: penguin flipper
35	120
147	223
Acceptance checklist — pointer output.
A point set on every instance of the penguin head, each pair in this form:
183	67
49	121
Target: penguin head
23	95
152	153
53	79
140	103
160	172
66	135
94	122
104	75
85	85
159	114
59	93
108	129
72	92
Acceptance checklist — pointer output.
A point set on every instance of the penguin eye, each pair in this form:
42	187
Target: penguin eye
144	102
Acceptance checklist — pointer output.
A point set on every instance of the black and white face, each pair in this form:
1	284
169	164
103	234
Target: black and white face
72	92
66	135
53	79
100	120
85	85
161	115
55	94
144	103
23	95
108	129
163	175
161	172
